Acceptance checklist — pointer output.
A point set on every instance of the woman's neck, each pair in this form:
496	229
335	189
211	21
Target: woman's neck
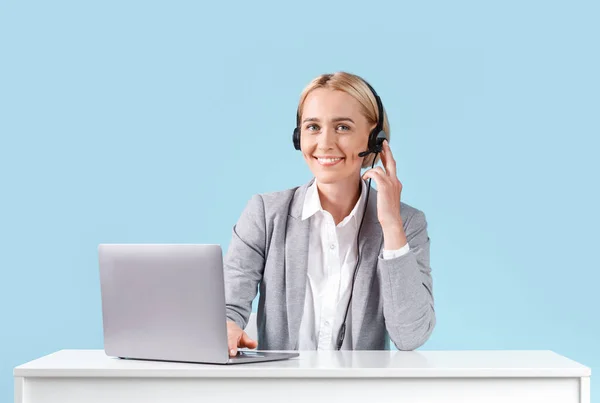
339	198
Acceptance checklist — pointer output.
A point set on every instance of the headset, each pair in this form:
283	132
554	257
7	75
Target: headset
375	145
376	137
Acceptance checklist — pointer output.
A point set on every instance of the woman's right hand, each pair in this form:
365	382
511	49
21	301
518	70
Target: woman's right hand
236	337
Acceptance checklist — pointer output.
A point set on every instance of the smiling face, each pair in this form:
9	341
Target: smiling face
334	131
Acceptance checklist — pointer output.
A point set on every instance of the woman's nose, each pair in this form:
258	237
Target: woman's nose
327	138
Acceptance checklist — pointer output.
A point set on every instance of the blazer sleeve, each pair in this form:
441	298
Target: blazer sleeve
244	262
407	286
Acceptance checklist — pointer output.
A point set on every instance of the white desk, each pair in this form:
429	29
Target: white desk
347	376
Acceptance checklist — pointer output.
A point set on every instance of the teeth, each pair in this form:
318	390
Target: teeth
330	160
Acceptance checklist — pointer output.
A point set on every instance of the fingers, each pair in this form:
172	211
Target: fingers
234	333
241	341
237	338
389	161
383	180
246	341
376	173
232	343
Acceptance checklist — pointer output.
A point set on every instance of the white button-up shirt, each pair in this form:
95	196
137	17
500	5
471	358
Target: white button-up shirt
332	256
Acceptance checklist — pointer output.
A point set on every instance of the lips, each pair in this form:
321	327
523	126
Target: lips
328	161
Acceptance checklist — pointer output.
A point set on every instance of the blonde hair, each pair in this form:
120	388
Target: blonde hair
356	87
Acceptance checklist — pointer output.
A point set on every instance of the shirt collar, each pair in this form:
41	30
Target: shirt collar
312	203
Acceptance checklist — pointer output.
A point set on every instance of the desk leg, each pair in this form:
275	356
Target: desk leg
19	381
584	390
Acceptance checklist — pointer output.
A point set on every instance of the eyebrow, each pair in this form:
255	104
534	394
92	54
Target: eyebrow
336	119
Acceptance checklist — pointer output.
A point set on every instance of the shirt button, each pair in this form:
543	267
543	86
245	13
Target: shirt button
326	323
332	246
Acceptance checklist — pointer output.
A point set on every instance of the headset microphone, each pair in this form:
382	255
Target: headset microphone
378	145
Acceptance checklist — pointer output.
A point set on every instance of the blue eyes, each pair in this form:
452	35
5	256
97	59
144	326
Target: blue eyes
344	127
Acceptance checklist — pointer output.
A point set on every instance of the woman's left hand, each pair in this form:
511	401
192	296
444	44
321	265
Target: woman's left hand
389	189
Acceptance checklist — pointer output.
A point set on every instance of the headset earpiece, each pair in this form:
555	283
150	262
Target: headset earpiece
379	139
296	138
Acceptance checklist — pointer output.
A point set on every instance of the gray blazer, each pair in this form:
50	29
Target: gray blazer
391	297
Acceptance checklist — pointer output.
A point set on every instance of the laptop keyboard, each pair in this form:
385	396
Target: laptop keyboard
241	353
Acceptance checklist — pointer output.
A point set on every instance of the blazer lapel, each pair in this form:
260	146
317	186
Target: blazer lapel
296	262
371	239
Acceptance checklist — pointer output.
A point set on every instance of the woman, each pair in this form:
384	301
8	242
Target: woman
317	289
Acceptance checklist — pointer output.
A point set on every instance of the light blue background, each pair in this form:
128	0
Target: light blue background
157	121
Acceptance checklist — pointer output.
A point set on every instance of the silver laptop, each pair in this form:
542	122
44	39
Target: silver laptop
167	302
